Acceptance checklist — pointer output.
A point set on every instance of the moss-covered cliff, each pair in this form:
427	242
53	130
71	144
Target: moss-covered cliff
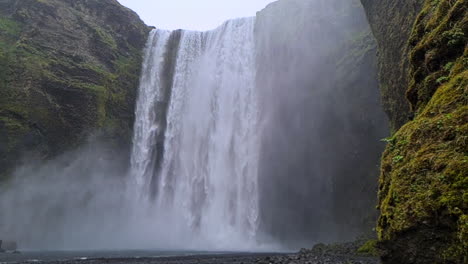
424	175
67	68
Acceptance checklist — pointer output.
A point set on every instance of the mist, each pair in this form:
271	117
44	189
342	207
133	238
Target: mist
263	134
323	121
85	200
69	202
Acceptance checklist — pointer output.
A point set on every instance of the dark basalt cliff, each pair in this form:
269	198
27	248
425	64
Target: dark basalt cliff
424	75
320	101
391	24
67	68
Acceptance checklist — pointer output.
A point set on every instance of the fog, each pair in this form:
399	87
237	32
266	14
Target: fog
320	106
262	134
69	202
85	200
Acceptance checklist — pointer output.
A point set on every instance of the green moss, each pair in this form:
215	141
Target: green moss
423	179
15	128
442	79
54	95
428	186
369	248
12	124
9	27
439	37
105	38
9	31
448	67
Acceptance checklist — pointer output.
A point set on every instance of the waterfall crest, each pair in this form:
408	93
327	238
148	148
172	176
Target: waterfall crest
203	172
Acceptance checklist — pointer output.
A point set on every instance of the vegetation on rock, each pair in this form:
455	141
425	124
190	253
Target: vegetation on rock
423	183
369	248
67	68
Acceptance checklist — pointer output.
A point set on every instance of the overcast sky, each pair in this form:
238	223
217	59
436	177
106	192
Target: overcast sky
193	14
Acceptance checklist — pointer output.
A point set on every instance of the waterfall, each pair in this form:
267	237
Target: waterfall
261	135
147	125
196	146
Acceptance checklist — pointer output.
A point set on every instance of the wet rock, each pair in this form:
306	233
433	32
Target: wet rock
71	68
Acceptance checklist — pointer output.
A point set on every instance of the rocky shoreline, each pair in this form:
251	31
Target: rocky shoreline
343	253
303	257
361	251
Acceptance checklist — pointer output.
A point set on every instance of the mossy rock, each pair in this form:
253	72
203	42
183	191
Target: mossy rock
424	175
67	69
369	248
438	40
423	183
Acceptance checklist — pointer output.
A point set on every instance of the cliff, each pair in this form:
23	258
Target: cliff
317	74
423	64
391	24
68	68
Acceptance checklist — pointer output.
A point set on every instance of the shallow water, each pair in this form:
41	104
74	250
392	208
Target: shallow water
40	256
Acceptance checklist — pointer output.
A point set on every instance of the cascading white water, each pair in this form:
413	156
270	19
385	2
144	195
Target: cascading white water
206	181
146	124
196	172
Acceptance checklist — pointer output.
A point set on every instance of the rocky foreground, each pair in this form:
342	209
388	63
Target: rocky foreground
302	258
347	253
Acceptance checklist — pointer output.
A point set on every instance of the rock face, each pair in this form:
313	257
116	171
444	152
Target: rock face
67	68
423	182
391	24
317	76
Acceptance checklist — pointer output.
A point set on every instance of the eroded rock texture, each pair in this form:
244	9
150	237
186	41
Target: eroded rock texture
67	68
423	183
